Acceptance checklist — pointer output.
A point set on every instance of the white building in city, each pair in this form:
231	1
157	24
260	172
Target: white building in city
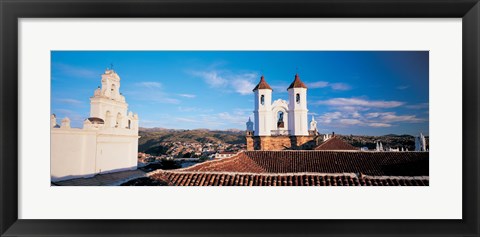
313	126
420	143
108	141
281	117
249	125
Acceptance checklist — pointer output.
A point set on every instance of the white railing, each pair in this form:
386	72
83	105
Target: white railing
280	132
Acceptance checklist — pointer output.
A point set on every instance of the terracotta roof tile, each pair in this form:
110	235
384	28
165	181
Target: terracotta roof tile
262	84
335	143
297	83
293	179
305	168
369	163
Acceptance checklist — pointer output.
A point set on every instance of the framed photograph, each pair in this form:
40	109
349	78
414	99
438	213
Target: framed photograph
239	118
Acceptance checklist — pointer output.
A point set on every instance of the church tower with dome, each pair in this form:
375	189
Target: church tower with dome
280	125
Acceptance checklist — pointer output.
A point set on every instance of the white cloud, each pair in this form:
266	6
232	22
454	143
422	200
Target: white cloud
188	120
70	101
375	119
357	102
75	71
379	125
211	78
333	86
417	106
329	117
165	100
243	86
356	114
350	122
372	115
187	95
194	109
318	84
340	87
149	84
392	117
150	92
403	87
242	83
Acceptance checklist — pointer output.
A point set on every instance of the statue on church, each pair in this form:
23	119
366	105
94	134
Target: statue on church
313	125
280	123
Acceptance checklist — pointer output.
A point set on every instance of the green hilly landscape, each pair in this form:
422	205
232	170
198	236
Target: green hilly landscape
156	140
151	139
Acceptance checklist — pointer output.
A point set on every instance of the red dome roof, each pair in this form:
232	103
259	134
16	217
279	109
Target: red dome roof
262	85
297	83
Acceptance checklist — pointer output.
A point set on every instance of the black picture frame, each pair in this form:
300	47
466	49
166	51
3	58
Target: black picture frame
11	11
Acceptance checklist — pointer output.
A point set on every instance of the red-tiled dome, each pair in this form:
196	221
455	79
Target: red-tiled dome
297	83
262	84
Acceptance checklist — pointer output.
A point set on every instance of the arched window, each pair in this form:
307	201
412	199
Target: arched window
297	98
262	99
119	120
129	123
280	123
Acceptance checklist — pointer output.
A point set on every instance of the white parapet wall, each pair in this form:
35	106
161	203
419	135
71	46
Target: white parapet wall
81	153
73	153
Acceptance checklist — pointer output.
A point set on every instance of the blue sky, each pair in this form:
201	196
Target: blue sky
349	92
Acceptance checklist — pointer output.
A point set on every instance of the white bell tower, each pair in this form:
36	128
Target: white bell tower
108	104
263	108
297	117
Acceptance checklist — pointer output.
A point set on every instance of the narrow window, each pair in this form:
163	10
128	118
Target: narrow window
262	99
280	123
298	98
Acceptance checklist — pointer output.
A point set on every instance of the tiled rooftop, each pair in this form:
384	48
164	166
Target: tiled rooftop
297	83
262	85
184	178
335	143
368	163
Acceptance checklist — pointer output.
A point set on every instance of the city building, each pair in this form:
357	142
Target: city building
420	143
108	141
280	125
224	154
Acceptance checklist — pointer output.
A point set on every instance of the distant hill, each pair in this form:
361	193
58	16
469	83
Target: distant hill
151	138
389	140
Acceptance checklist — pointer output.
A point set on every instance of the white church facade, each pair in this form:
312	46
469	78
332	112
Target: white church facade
280	124
108	141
